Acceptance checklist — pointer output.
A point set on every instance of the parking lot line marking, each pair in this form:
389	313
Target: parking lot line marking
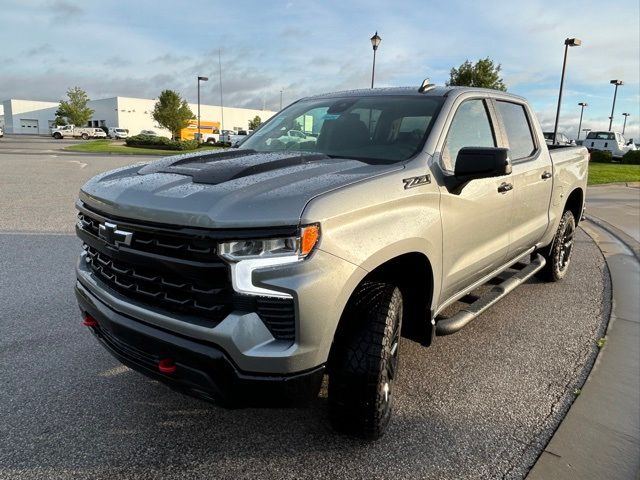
82	164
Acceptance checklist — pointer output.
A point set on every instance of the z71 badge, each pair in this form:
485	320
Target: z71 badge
416	181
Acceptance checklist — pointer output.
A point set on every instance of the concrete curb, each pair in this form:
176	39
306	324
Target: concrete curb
600	436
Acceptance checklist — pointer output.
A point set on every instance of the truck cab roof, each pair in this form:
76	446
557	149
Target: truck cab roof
435	91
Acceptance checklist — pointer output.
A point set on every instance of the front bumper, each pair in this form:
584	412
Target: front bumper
320	286
202	369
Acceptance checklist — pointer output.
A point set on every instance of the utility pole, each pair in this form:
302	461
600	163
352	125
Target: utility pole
221	102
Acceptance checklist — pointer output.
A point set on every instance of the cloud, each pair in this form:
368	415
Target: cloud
63	11
169	59
43	49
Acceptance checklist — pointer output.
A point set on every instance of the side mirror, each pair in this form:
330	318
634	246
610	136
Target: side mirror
474	163
482	162
630	142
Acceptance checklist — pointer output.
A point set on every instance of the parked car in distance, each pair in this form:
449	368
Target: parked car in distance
561	139
233	275
225	135
239	137
99	133
118	133
1	132
71	131
151	133
208	137
612	142
293	137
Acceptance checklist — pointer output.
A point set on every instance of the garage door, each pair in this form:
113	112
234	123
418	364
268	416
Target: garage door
29	126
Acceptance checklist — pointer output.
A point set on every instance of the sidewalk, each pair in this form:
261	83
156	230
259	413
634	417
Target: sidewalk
600	436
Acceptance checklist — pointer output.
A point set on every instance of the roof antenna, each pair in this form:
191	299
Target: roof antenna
426	86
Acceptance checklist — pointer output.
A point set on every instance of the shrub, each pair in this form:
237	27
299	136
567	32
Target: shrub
150	141
632	157
601	156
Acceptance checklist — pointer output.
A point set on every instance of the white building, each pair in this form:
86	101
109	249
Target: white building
134	114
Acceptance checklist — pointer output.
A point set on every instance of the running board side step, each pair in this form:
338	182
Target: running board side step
447	326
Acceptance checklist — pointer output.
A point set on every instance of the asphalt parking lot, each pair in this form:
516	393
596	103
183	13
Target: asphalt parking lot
479	404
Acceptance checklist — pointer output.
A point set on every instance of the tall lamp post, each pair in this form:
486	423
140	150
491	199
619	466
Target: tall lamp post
625	122
617	83
582	105
200	79
568	42
375	43
280	99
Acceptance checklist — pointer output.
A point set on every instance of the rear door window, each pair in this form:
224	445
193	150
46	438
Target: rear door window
518	129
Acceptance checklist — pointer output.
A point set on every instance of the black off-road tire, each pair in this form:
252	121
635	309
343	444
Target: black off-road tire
57	135
558	256
84	136
364	361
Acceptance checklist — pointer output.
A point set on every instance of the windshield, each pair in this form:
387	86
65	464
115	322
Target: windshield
377	128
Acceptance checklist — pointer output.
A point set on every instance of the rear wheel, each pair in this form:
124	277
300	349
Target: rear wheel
558	257
364	361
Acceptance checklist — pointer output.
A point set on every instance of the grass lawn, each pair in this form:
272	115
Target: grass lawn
613	172
108	146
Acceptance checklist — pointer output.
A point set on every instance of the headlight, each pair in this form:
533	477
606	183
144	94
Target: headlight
245	256
299	246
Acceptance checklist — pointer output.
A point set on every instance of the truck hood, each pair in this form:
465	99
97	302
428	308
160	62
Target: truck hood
228	189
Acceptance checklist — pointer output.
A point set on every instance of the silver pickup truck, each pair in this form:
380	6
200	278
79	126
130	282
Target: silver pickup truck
251	273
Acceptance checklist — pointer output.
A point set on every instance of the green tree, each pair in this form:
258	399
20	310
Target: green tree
74	110
172	112
484	74
255	123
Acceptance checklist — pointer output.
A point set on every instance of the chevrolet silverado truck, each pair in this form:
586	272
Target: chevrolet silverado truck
250	272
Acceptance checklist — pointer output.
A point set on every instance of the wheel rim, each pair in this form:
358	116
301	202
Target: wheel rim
392	364
566	246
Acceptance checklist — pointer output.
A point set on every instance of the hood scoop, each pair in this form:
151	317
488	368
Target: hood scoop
217	168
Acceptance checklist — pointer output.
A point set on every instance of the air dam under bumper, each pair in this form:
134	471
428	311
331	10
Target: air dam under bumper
202	369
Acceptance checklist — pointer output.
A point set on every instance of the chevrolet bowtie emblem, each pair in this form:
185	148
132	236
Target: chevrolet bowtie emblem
109	233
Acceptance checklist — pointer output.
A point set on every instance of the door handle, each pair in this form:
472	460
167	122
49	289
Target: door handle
546	175
505	187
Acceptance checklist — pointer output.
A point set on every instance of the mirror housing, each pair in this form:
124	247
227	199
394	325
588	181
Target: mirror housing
473	163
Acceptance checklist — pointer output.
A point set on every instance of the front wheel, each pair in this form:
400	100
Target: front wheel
364	361
558	257
84	136
57	136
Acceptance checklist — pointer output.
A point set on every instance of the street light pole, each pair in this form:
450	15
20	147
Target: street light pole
625	122
617	83
568	42
582	105
280	99
200	79
375	43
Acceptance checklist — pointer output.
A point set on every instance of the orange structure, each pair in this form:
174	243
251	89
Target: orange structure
206	126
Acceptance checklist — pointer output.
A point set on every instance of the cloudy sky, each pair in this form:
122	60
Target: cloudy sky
137	48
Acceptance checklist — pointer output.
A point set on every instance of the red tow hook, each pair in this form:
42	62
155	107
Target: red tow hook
89	321
167	366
